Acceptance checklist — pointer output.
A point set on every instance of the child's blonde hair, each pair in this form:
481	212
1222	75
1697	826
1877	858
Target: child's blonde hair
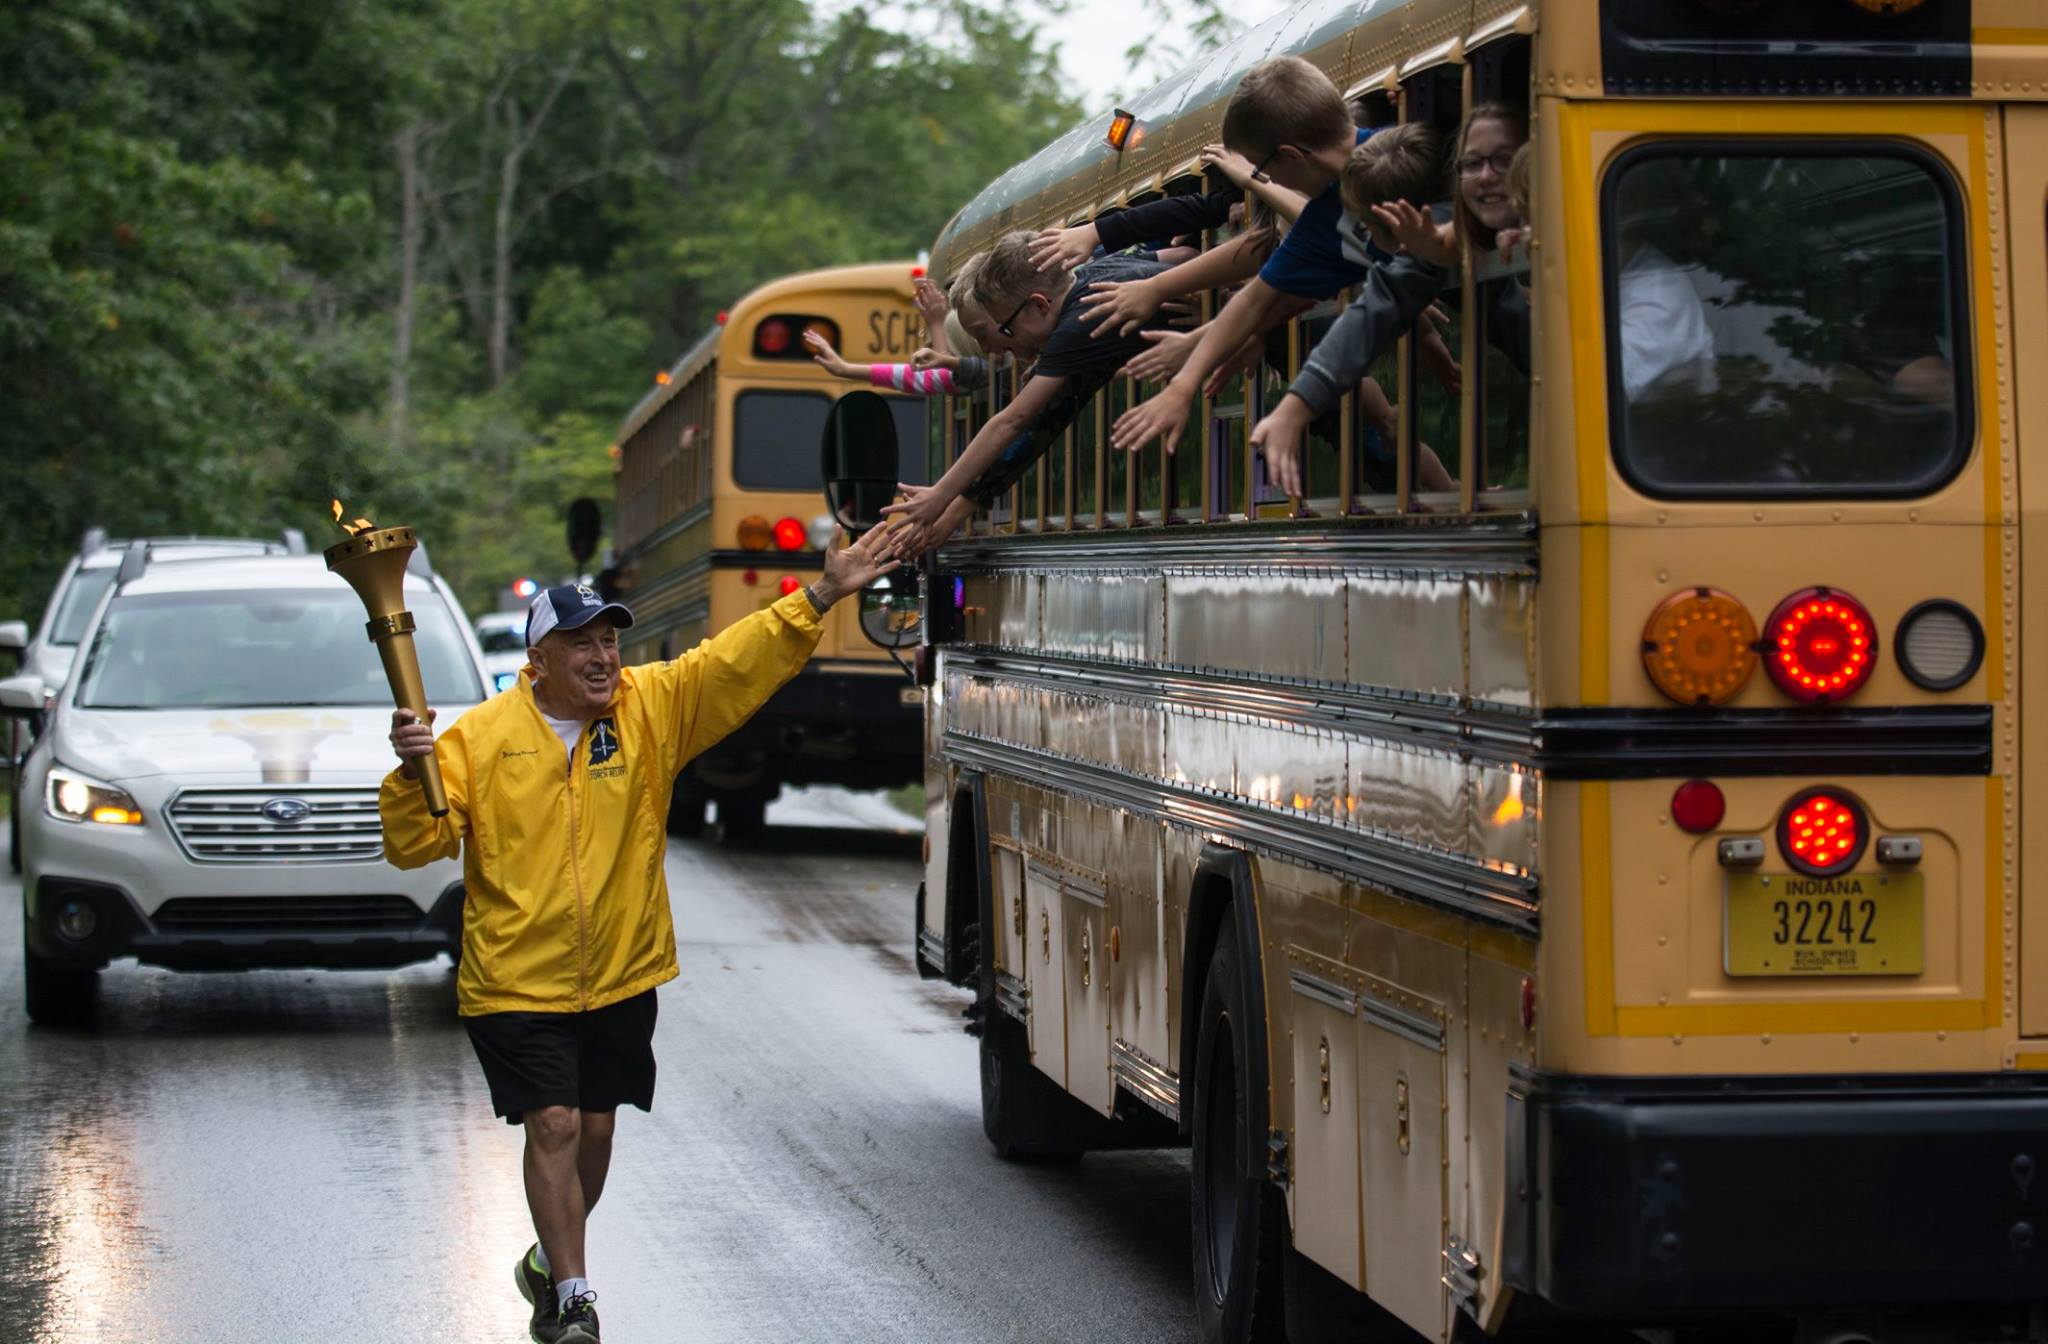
957	338
1010	274
1400	163
1285	101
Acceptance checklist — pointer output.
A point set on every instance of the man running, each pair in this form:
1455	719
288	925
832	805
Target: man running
558	796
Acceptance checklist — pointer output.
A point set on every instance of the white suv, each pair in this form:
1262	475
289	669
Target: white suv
204	792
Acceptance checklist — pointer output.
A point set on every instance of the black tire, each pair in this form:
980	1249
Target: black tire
742	819
1024	1113
57	996
687	805
1240	1223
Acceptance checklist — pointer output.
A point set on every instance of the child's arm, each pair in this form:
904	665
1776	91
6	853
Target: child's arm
1121	307
829	360
921	514
1166	414
1166	218
930	382
1280	200
1392	297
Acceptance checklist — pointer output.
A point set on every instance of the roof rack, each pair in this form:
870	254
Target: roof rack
133	562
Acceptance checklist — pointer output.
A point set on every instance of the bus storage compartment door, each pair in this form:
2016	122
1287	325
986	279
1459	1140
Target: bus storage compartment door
1401	1104
1326	1139
1086	930
1044	937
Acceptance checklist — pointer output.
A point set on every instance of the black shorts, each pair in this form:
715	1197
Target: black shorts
595	1061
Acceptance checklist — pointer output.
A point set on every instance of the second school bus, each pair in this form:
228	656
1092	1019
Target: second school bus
1603	891
720	513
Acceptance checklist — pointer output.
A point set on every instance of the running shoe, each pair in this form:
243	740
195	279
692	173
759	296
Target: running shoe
579	1320
539	1289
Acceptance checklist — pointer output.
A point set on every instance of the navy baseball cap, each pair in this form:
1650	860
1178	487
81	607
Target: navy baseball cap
567	606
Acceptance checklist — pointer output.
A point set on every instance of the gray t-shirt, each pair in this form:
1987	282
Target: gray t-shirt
1073	347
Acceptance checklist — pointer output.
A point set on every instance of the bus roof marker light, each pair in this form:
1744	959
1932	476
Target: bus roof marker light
1699	646
1121	124
1820	645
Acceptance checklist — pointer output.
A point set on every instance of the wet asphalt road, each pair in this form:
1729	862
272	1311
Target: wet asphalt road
283	1156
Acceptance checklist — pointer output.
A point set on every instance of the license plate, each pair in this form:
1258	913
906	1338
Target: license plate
1861	924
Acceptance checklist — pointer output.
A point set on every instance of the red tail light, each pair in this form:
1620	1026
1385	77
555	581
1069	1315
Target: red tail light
789	584
1822	832
1822	645
772	338
789	534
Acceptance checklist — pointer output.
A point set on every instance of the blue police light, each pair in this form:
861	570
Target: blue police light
507	680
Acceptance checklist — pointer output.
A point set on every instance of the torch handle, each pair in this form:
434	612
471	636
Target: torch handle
402	670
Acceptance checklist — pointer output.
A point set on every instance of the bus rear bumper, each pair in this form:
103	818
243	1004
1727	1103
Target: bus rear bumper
1653	1200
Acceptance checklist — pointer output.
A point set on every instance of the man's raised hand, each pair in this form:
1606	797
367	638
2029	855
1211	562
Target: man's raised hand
854	566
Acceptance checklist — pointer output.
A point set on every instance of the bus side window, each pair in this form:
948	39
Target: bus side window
1087	464
1056	477
1116	499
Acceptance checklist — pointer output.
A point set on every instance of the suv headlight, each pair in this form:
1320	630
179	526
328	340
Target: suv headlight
70	796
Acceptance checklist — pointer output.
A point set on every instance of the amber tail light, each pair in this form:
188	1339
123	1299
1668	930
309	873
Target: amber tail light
1699	646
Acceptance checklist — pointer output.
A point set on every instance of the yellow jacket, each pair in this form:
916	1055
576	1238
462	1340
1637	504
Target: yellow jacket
567	904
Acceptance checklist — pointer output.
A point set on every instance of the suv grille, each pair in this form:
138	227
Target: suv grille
228	825
281	914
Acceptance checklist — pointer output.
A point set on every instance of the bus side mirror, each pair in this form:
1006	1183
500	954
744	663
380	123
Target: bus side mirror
859	461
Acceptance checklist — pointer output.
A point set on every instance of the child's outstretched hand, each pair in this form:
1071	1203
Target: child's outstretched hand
1417	233
1064	247
1279	437
922	521
928	358
828	358
930	302
1507	240
1119	307
1234	166
1169	351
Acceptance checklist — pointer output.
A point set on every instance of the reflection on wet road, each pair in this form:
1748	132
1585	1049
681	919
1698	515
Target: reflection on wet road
283	1156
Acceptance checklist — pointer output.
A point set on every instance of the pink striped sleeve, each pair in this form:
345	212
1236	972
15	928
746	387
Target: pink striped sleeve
932	382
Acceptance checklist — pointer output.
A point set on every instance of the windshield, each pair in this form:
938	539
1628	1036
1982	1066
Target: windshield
500	640
79	600
253	649
1785	320
778	439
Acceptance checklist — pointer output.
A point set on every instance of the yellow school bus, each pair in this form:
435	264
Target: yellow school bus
1600	892
719	514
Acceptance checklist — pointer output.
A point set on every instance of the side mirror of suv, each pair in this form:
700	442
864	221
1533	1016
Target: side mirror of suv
14	635
21	696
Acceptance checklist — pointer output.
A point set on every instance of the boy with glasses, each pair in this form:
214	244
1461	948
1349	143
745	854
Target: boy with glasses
1035	311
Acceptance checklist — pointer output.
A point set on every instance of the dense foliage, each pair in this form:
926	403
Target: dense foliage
423	254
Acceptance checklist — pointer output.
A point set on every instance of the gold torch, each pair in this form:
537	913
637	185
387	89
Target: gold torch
373	561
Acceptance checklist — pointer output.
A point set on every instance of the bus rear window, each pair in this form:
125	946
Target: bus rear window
778	438
1785	321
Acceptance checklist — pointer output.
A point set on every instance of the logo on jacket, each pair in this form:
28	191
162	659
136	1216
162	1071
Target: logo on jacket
287	811
604	741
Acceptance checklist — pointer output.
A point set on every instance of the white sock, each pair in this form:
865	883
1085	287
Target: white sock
540	1257
569	1289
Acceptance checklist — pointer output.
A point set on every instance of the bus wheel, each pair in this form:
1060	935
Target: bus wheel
687	804
742	819
1023	1112
1239	1219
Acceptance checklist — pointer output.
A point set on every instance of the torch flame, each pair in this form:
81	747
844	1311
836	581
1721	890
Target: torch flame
354	529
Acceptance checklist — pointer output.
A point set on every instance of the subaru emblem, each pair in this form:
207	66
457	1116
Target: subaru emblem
287	811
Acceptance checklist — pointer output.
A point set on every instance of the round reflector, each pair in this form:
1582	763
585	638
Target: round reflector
1822	645
1822	832
755	534
773	337
1699	646
789	534
1939	645
790	584
1698	806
